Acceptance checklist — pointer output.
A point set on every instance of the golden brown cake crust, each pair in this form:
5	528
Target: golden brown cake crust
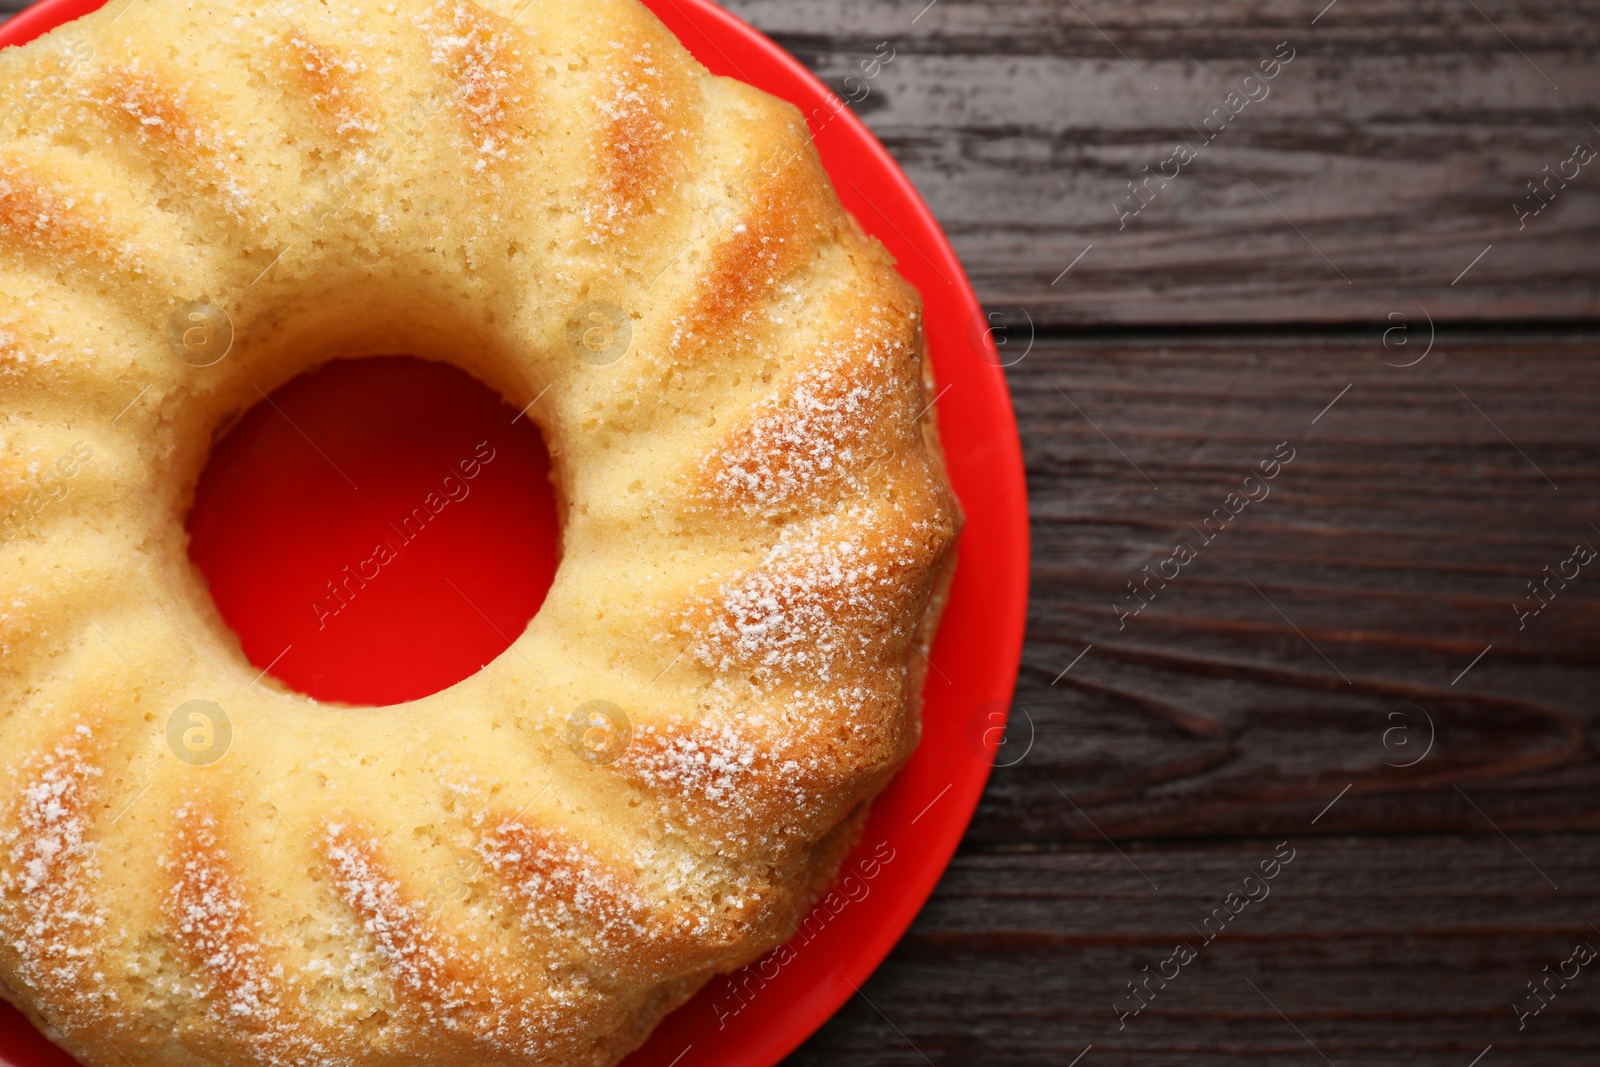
198	202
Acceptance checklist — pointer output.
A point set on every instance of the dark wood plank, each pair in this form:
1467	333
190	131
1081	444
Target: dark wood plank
1380	953
1262	680
1397	141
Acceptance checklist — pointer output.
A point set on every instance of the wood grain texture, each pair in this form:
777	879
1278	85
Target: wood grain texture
1385	157
1376	953
1383	559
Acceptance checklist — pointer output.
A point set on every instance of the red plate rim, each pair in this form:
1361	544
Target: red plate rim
757	1016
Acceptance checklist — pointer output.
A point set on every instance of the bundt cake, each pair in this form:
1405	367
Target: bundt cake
199	202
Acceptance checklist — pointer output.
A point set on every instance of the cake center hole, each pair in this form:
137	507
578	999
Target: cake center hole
377	531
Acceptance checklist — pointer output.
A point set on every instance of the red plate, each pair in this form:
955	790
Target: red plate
757	1016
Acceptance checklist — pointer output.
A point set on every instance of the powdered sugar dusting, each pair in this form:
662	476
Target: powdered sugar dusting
210	916
809	439
768	785
52	220
709	763
331	82
640	106
450	988
166	123
417	956
479	49
207	910
808	652
785	215
570	897
21	356
829	597
48	881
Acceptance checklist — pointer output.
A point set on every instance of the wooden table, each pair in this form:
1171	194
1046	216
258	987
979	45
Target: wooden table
1346	267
